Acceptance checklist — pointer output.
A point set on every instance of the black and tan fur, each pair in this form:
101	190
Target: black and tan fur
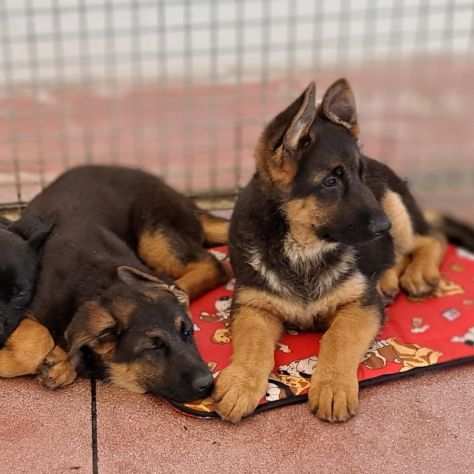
126	254
20	244
320	236
26	346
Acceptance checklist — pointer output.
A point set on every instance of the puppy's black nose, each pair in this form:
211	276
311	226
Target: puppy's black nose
202	384
379	224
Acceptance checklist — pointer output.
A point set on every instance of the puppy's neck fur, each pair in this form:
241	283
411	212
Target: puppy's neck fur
301	256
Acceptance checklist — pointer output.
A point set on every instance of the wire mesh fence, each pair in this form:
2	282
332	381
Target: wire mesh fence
182	87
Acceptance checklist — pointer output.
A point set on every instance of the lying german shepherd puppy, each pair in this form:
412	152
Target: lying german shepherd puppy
318	230
23	348
21	244
100	300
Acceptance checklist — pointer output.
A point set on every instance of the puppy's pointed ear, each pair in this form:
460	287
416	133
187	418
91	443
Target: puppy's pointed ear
338	106
285	136
290	125
40	234
92	326
149	285
32	229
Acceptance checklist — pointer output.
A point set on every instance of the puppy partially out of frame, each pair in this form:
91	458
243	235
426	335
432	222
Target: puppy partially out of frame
126	254
319	237
20	244
24	343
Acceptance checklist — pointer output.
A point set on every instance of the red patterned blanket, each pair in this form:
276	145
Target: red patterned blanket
418	335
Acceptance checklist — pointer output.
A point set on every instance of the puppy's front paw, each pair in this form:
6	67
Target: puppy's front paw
420	280
334	398
56	370
237	393
388	285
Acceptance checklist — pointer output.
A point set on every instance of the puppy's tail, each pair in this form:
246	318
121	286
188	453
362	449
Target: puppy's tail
456	231
216	229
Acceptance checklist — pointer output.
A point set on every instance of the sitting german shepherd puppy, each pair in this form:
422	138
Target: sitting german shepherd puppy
318	230
100	300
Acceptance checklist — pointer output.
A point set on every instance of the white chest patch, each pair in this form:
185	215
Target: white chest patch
304	263
270	277
301	256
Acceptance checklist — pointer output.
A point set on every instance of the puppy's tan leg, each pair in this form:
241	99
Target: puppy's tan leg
195	270
25	349
333	395
216	229
56	370
403	240
389	285
202	275
422	276
242	384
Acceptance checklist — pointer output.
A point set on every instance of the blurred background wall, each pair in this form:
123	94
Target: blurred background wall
183	87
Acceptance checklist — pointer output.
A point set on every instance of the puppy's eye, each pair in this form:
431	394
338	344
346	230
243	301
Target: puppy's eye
330	182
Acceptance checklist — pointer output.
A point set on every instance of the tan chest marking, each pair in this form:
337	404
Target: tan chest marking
302	214
305	316
301	256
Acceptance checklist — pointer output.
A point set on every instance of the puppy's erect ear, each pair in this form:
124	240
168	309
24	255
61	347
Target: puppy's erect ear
92	326
288	133
291	125
338	106
32	229
149	285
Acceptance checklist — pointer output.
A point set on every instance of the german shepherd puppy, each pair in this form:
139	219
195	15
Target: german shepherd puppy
21	243
318	236
107	291
24	343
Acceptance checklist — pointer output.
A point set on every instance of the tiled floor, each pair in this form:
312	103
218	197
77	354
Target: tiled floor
421	425
43	431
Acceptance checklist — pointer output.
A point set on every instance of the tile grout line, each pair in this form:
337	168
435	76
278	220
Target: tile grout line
95	454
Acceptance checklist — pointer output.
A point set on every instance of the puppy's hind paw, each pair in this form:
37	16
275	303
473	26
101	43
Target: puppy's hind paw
56	370
419	281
